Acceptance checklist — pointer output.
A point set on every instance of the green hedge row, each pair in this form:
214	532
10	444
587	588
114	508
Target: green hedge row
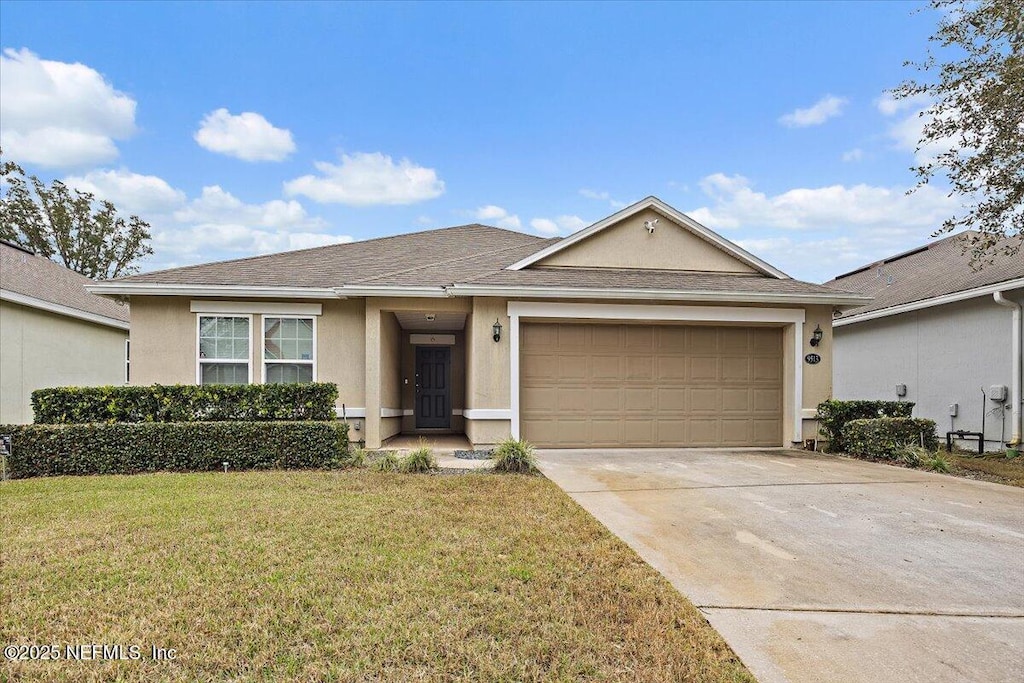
882	437
185	403
51	450
833	416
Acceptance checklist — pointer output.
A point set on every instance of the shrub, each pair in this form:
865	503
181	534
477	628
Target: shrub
911	455
185	403
884	437
386	463
833	416
420	460
356	457
51	450
937	463
514	455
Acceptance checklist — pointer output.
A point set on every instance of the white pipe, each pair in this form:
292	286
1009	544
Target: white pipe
1015	394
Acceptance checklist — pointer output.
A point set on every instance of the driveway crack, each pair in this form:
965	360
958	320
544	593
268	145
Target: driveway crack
853	610
743	486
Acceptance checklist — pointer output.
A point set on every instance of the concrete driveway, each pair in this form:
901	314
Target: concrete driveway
817	568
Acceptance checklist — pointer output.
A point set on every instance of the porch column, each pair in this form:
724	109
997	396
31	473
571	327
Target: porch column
372	428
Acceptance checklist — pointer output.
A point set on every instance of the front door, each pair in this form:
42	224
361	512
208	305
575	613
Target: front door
433	388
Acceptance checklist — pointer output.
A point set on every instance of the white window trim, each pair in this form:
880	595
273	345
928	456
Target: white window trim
269	308
648	313
200	361
128	360
263	344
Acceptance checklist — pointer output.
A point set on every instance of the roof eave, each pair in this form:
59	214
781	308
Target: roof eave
931	302
70	312
114	288
824	298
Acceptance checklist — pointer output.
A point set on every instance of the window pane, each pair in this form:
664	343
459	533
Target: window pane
288	373
288	338
223	337
225	373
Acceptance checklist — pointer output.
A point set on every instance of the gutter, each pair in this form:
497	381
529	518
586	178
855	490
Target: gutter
1015	395
49	306
984	290
143	289
836	299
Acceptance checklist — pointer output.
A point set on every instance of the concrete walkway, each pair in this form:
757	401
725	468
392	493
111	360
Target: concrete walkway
817	568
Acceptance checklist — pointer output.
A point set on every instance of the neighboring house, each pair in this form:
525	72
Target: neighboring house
644	329
53	332
944	331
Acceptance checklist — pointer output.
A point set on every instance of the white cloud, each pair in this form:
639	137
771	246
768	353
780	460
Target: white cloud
602	196
498	216
364	179
817	233
58	114
215	205
818	113
131	193
559	225
247	136
855	154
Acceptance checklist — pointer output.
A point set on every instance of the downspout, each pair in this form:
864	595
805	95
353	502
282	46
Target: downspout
1015	394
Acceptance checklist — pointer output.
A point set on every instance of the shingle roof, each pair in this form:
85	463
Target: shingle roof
448	253
930	271
40	278
463	255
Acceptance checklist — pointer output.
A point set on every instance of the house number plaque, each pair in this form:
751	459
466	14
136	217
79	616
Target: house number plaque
812	359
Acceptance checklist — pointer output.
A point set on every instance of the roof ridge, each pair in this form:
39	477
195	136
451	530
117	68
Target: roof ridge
441	263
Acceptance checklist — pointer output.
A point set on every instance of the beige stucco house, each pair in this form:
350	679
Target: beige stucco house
644	329
53	332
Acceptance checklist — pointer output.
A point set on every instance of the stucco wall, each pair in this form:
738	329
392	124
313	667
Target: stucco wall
42	349
390	374
944	355
164	344
629	245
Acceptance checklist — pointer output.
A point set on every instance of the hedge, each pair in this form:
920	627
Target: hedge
51	450
185	403
833	415
883	436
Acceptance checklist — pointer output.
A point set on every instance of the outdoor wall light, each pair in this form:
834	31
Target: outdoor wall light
496	329
816	336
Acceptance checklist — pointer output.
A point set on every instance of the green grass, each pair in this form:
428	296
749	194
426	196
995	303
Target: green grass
356	575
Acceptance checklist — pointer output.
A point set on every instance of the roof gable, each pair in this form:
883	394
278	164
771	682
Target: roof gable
625	240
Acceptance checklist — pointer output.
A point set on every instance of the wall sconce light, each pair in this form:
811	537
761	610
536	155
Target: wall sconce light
496	330
816	336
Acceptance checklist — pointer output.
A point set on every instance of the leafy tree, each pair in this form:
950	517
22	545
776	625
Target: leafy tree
976	118
69	226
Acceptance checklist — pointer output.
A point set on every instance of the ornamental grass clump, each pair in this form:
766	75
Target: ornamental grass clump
515	456
388	462
420	460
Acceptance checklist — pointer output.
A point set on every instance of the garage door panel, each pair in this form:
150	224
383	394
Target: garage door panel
672	367
704	368
736	400
595	385
736	369
640	368
640	398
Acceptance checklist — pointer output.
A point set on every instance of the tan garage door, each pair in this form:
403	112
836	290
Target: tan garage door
593	385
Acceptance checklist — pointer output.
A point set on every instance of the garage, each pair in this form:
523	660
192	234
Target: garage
587	385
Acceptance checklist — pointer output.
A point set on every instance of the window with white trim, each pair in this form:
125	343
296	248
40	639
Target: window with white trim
289	344
224	349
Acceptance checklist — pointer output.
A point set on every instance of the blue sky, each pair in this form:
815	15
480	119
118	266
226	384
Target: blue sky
243	128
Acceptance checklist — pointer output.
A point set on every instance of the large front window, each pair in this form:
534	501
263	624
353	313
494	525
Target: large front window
288	345
224	349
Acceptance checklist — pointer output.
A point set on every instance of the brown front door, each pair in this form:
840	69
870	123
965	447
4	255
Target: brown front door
433	387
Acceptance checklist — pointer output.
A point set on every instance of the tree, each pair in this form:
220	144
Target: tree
975	119
69	226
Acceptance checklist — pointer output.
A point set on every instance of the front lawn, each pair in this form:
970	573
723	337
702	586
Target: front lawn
338	576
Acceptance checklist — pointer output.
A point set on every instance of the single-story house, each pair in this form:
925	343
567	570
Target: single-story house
53	332
940	332
643	329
